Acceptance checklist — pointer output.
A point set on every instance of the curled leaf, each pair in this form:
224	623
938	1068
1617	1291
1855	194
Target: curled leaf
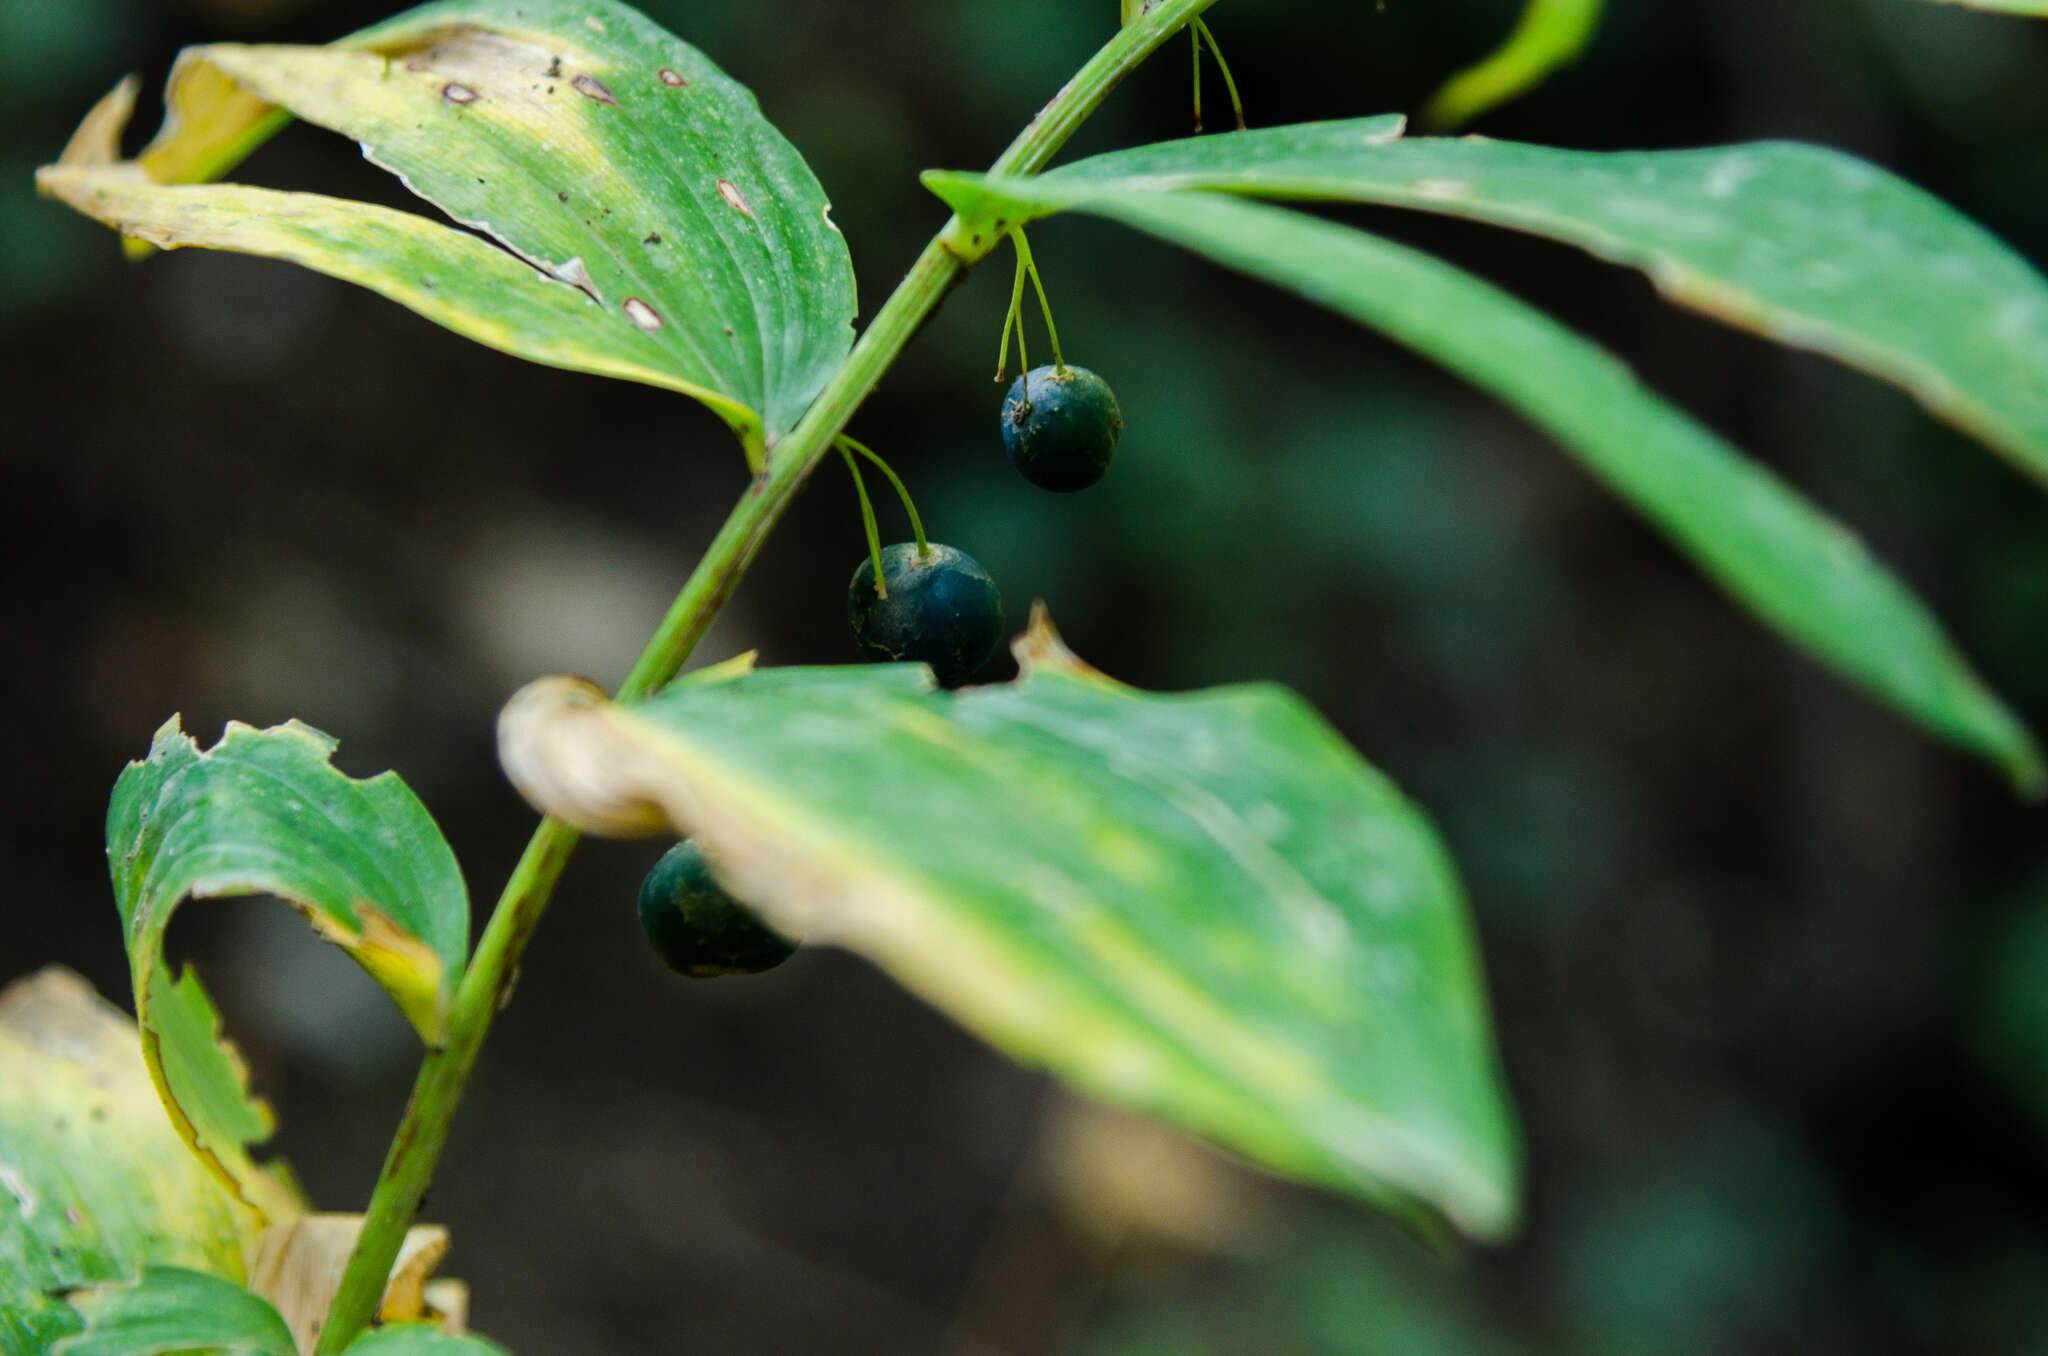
265	812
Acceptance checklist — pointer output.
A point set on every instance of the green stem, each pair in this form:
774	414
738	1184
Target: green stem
1195	45
1013	321
916	523
1045	307
1216	50
487	983
867	519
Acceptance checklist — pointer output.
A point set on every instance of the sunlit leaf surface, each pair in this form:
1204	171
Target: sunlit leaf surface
93	1181
2037	8
1783	558
265	812
1804	245
1203	906
650	223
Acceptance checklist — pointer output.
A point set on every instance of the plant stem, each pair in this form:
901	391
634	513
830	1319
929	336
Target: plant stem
1045	307
487	984
902	493
1013	321
1203	34
867	519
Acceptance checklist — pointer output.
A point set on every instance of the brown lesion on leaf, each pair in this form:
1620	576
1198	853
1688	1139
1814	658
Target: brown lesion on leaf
575	273
674	79
643	315
590	87
733	197
458	94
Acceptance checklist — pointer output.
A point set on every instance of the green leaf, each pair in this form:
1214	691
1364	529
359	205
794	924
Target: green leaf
1805	246
2036	8
173	1310
1550	34
1783	558
264	812
659	229
93	1181
1204	907
420	1339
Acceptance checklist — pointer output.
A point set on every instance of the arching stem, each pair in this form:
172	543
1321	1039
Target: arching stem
1202	34
1013	321
867	520
846	441
1031	267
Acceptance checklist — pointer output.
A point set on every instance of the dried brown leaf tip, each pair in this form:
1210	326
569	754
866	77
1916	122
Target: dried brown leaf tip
1041	650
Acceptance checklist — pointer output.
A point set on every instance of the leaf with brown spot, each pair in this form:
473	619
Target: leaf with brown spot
265	812
587	137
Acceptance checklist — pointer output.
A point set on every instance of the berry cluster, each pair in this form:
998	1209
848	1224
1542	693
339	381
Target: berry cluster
917	602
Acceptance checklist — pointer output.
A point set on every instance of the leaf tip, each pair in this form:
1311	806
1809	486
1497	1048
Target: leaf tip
97	141
724	671
1039	648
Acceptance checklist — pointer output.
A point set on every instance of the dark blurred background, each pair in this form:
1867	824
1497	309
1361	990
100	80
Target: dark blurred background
1769	966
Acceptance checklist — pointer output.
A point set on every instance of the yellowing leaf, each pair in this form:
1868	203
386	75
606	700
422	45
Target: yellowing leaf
94	1184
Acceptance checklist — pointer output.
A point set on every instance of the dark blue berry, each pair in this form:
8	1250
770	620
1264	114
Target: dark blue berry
697	927
942	610
1060	427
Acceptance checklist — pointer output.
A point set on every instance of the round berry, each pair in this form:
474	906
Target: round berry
1060	427
942	610
697	927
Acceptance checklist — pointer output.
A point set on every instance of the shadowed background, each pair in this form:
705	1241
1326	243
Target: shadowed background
1770	969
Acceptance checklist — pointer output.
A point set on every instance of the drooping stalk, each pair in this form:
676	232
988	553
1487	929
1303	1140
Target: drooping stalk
847	442
867	518
1030	266
1202	34
1013	322
486	984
